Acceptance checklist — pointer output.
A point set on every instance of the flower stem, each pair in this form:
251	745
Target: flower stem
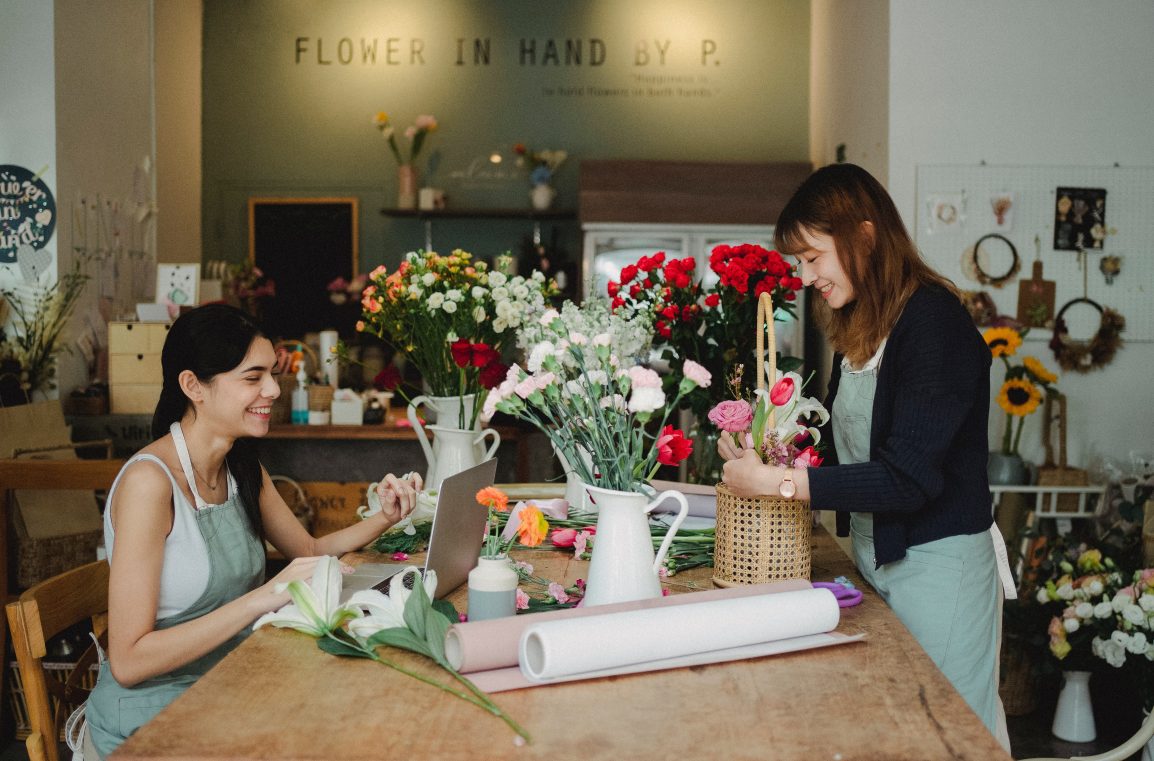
489	705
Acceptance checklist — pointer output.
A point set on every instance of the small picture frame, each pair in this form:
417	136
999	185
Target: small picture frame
945	212
178	285
1079	218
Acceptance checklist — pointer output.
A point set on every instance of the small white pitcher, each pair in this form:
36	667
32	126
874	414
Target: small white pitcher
453	451
624	567
446	411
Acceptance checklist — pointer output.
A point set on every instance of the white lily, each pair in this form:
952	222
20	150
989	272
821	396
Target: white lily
316	608
386	611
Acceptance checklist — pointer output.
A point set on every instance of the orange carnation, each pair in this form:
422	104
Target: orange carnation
493	498
533	526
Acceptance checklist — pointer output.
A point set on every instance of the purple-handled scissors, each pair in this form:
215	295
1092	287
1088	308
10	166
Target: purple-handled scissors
847	596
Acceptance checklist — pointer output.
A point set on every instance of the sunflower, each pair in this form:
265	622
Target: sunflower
1039	371
1019	397
1003	342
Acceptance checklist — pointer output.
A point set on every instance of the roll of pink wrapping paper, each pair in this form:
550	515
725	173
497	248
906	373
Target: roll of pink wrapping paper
489	645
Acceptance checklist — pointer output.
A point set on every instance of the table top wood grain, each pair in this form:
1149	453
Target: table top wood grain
279	696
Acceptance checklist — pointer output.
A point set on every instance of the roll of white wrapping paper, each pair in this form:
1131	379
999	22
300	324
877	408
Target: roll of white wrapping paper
328	343
565	648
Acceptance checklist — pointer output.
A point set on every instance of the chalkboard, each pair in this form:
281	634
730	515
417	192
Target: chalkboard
303	244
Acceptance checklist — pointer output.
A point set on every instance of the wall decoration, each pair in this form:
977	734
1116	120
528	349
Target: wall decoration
33	262
177	284
1129	228
1099	351
1006	254
1036	295
1110	267
1079	218
27	211
946	211
1002	209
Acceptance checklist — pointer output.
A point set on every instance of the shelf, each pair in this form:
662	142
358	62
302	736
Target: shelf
494	213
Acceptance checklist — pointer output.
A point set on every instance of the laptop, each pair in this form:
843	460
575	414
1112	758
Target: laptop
454	541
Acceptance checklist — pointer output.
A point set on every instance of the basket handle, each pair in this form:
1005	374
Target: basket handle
764	325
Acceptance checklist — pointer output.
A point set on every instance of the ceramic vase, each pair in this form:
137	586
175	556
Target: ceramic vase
406	186
542	196
624	566
1074	715
492	589
1006	469
446	411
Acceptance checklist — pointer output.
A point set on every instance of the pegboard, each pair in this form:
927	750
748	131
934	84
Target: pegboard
944	235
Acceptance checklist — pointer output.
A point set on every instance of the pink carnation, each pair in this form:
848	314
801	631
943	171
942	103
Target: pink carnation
643	377
697	373
732	415
522	599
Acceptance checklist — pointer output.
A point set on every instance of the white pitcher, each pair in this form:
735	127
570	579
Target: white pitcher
574	486
453	451
624	566
446	411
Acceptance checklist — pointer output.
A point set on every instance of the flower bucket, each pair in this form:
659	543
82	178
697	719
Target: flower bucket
761	538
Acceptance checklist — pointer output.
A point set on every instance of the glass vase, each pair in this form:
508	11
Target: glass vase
492	589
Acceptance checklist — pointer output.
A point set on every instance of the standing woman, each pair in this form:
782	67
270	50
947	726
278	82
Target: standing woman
186	522
909	403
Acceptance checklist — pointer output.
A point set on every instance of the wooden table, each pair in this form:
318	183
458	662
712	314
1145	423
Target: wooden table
279	696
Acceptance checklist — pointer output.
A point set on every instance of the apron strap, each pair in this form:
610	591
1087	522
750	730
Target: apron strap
1008	586
186	465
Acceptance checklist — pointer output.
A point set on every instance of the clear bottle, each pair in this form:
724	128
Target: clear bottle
300	413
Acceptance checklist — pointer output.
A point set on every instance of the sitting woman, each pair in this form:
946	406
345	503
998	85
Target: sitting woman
186	522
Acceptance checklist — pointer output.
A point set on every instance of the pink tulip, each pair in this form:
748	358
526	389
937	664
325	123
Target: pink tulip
563	537
807	458
782	392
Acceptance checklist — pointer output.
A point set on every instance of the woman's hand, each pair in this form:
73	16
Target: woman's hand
728	448
398	496
266	597
747	476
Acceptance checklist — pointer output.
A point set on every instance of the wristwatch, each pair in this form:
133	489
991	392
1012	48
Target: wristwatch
787	488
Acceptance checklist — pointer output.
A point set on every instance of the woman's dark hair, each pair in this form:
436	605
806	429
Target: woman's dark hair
883	266
210	340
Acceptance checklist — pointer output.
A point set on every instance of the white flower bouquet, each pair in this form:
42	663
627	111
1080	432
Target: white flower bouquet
595	406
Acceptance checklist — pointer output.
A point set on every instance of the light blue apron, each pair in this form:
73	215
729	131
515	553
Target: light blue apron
945	591
236	560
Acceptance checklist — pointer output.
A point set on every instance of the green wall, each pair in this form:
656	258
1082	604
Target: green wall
289	94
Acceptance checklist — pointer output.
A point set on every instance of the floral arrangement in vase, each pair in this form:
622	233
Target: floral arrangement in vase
246	286
527	525
780	424
1078	598
39	317
544	163
1129	642
1024	383
708	319
452	316
415	133
596	407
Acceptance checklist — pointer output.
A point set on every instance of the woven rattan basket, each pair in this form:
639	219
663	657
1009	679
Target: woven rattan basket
320	397
762	538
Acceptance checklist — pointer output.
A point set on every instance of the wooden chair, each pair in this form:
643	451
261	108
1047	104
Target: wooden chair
1122	752
41	613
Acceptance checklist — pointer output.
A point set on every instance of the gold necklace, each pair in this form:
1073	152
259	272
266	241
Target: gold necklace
207	483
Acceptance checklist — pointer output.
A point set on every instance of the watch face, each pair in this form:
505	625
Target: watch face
787	488
27	212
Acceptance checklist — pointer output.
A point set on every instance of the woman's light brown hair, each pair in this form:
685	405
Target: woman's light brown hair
880	259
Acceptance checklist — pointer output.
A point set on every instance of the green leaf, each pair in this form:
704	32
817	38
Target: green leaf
336	647
435	627
446	609
415	607
402	638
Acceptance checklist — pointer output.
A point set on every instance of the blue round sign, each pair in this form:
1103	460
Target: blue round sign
27	211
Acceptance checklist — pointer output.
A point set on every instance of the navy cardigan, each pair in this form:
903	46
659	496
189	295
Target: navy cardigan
926	477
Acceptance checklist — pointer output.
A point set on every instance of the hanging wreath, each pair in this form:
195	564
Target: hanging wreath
1099	351
983	277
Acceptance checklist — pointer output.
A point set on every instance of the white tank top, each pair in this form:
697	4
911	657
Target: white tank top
184	574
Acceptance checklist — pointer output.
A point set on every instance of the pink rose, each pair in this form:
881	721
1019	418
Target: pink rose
732	415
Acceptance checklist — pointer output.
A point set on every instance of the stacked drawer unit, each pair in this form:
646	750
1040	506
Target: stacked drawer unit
134	374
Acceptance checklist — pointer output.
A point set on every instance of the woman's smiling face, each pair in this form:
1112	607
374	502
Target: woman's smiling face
821	268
